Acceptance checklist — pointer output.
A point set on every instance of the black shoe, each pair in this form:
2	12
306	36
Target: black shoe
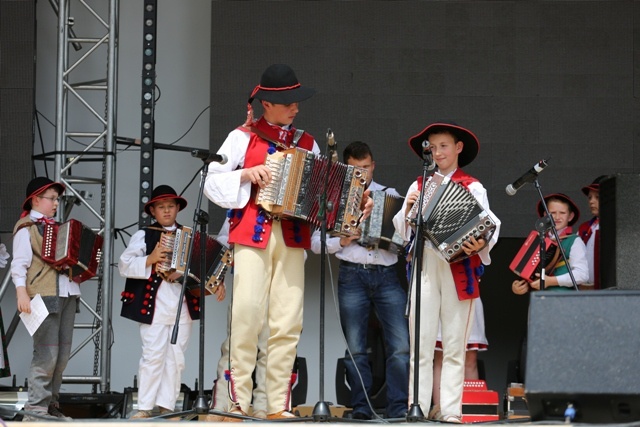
55	411
360	416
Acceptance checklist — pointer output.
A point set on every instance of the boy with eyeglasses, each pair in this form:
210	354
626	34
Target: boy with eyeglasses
32	276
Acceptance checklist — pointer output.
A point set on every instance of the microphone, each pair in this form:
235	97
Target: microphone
333	145
427	155
208	157
528	177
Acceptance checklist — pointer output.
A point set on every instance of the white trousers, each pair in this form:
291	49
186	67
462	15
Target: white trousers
270	281
439	303
161	365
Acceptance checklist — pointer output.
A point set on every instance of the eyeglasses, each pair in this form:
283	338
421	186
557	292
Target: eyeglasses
53	199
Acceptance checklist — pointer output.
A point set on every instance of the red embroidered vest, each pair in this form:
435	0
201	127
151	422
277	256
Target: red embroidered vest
249	226
466	273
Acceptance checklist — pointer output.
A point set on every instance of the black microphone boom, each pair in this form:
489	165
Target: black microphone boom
528	177
208	157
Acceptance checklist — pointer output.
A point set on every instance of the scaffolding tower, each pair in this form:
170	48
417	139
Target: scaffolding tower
93	144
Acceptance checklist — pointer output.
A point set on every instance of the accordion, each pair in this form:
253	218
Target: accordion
377	229
73	247
526	262
218	258
298	182
452	216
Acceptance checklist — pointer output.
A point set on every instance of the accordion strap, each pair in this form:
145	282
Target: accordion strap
24	225
296	137
294	143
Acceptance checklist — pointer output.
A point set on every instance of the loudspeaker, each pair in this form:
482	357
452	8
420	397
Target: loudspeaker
619	231
582	352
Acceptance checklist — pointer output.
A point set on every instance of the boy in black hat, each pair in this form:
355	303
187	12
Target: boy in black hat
268	254
32	276
153	302
589	231
448	291
565	213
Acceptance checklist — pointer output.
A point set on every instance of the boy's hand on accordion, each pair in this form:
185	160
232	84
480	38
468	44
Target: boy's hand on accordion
159	254
366	205
220	292
23	300
346	240
259	175
412	199
472	245
520	287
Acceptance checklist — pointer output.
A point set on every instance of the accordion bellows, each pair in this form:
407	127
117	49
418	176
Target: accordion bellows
298	181
377	229
526	263
452	216
73	247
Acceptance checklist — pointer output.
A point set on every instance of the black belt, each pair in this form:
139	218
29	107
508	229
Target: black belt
365	266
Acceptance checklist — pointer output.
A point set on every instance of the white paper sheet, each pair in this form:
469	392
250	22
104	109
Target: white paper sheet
39	312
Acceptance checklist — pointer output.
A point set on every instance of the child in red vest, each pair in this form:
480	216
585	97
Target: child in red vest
589	231
448	291
268	253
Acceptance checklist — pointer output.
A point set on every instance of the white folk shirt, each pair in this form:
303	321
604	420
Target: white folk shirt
133	265
23	255
591	247
353	252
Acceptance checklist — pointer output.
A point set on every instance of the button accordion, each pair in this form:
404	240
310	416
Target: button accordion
526	263
72	247
378	229
297	182
218	258
451	217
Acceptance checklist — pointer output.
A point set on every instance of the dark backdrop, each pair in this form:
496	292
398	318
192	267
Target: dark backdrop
17	68
533	79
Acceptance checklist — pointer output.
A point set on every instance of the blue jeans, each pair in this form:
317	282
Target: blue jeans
358	289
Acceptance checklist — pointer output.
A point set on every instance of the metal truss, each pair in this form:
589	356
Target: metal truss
85	139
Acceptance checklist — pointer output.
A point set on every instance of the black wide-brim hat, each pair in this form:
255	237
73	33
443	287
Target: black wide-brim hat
37	186
279	85
468	138
595	185
162	192
572	206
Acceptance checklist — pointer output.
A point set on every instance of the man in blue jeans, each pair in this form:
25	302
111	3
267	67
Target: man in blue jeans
368	277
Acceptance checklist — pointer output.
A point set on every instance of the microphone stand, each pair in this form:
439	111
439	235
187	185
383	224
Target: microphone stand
542	226
541	234
321	410
201	218
415	413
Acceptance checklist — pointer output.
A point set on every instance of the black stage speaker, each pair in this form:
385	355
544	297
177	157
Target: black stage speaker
619	231
583	350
